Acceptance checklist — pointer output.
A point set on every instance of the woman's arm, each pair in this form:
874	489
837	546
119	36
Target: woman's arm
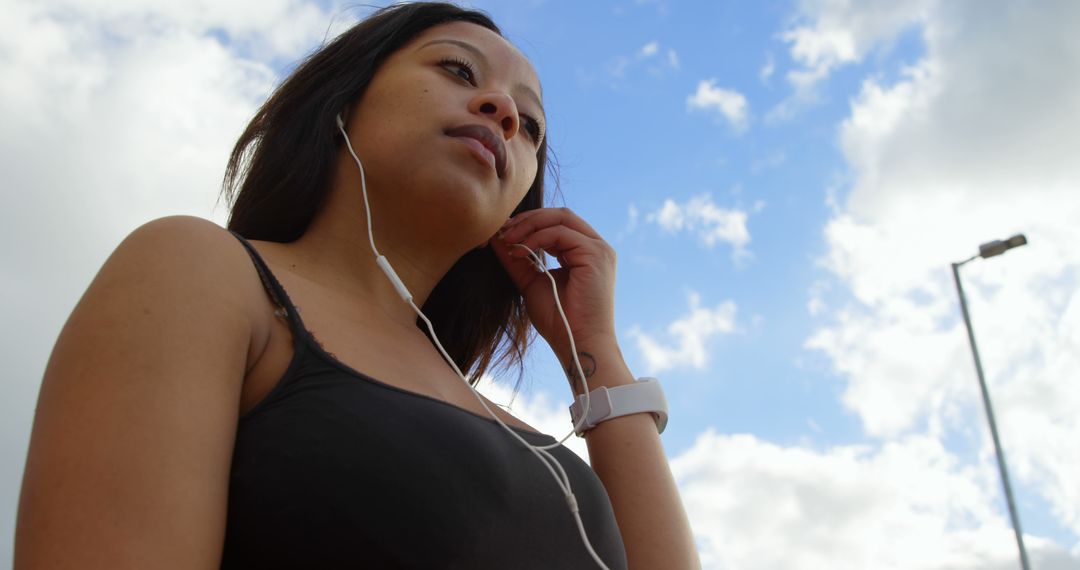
132	439
627	455
626	452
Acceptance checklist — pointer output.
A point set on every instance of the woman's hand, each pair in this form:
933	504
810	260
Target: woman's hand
585	278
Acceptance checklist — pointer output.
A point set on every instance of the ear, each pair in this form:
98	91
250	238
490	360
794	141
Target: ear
343	116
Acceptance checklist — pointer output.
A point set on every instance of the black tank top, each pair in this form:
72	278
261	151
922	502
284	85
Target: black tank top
335	469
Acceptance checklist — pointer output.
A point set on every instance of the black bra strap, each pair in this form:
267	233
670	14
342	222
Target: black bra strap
272	286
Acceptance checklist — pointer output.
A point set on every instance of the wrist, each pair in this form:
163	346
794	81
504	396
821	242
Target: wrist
601	362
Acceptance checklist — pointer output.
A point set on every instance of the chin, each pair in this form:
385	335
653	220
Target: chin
467	222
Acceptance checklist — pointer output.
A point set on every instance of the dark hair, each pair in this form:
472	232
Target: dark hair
279	175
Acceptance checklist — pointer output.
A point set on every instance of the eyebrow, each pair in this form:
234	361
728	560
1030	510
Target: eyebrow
487	63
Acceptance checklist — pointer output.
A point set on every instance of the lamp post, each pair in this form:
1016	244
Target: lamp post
990	249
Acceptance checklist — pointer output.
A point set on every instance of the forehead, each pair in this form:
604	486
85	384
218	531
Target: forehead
502	54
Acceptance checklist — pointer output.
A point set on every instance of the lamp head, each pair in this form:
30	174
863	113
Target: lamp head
998	247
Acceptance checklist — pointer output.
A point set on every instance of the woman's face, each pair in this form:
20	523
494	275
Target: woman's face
453	122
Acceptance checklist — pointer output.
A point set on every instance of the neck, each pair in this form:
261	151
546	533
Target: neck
335	253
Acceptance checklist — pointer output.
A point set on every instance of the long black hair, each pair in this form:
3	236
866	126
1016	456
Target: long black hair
280	171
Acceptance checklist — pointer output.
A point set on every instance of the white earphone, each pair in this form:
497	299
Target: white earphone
539	451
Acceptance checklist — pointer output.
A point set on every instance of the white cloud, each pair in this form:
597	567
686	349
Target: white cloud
260	29
710	223
974	142
661	5
906	505
645	57
690	334
673	59
768	69
537	410
619	67
632	218
768	162
113	113
829	34
727	103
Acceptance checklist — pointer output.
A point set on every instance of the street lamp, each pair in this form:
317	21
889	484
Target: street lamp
990	249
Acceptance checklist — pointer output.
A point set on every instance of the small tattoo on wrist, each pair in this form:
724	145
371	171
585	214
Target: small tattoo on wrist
588	366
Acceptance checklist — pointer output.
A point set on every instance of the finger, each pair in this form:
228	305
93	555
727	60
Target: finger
570	247
520	270
549	216
532	220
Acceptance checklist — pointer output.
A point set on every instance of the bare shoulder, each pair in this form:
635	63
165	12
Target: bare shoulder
196	249
191	242
137	412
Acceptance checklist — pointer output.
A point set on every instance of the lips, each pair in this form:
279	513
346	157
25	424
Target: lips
487	138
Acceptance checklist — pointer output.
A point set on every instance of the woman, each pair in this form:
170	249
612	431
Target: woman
262	397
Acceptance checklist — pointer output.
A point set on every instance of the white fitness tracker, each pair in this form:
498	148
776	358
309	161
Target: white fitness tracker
644	395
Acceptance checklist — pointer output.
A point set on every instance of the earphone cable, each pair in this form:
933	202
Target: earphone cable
539	451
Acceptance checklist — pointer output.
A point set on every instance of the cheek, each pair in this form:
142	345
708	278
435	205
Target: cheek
527	175
392	106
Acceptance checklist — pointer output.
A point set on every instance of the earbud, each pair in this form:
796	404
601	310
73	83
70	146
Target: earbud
340	123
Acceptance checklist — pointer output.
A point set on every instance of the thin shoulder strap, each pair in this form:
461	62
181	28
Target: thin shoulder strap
270	283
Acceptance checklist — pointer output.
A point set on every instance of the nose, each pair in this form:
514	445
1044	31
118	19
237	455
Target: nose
500	108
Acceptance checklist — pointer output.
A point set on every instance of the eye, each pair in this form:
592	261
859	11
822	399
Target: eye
461	68
532	127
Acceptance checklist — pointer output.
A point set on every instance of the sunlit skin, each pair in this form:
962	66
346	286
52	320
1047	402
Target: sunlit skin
433	198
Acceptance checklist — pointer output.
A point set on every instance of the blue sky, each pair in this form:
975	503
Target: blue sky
626	138
785	183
